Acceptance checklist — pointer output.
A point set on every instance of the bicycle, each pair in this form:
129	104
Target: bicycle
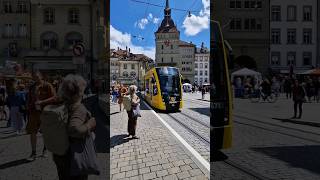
258	95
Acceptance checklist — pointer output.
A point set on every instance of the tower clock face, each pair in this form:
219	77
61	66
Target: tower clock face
167	42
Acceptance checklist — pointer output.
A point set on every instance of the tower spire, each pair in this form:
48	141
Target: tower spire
167	4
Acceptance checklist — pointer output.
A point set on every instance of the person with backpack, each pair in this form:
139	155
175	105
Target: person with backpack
15	103
78	129
40	94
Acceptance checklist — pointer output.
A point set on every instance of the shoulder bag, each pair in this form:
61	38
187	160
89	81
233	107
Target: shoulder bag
83	156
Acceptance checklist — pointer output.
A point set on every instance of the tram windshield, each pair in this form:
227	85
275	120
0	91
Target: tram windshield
169	79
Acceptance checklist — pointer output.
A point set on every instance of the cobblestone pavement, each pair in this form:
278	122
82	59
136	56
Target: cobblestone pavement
15	149
157	154
269	145
197	132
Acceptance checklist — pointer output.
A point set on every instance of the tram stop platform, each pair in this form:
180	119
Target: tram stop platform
157	154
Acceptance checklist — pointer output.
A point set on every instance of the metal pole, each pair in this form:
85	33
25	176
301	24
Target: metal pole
91	46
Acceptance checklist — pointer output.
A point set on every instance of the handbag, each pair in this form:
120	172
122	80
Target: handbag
83	157
136	111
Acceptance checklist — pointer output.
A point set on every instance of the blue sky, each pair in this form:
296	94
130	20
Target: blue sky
133	24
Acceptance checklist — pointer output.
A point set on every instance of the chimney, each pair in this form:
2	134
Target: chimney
129	50
126	48
202	45
118	48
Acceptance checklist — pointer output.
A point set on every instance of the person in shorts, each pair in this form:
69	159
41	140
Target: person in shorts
41	93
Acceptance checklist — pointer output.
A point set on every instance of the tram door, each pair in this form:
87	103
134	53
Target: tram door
221	100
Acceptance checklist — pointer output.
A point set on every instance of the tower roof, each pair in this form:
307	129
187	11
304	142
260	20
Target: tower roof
167	24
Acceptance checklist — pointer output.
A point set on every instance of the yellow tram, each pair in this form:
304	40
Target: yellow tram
163	88
221	93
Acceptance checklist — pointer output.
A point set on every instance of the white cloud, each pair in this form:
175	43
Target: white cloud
195	24
121	40
156	20
142	23
150	16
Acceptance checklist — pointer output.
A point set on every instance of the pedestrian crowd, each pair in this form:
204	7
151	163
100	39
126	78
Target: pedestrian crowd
22	105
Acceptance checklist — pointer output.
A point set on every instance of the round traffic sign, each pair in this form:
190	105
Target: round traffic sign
78	49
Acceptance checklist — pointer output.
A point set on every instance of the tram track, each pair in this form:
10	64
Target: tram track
192	131
267	123
243	170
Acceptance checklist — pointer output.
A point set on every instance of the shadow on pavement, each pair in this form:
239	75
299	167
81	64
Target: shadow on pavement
204	111
305	157
102	140
118	140
13	163
313	124
218	156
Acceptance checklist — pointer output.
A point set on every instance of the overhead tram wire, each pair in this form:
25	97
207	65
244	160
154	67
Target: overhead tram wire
157	5
189	12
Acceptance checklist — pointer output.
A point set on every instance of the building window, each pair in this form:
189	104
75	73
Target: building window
291	58
201	65
133	74
247	4
125	66
206	65
49	16
22	7
161	59
161	46
206	73
275	36
292	13
196	73
22	30
171	59
307	13
125	74
7	7
276	13
8	31
291	36
235	24
235	4
259	24
275	58
307	36
73	38
171	46
307	58
49	40
201	73
247	24
196	65
74	16
132	66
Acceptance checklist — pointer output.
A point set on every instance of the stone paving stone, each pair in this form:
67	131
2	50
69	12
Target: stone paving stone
151	175
170	177
132	173
183	175
162	173
144	170
156	168
119	175
153	156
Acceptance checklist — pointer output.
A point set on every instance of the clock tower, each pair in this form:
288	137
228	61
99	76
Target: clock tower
167	39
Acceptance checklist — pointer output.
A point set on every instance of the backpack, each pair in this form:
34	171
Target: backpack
127	102
54	122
